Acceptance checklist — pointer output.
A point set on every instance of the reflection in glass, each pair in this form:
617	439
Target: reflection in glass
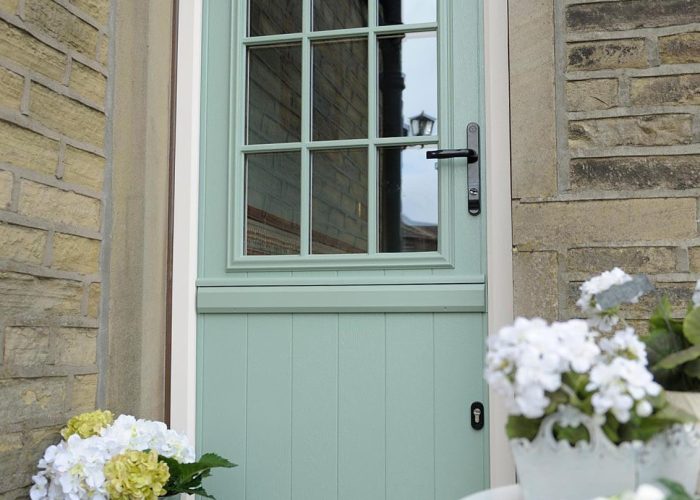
408	201
274	94
340	90
273	203
339	14
406	11
272	17
407	81
339	201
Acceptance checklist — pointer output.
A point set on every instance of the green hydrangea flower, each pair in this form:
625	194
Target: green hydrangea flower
136	475
88	424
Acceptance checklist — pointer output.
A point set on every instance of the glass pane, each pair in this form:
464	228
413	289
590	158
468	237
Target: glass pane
408	201
340	90
339	14
407	84
272	17
274	94
339	201
406	11
273	199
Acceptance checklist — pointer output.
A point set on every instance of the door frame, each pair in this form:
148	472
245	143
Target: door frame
186	201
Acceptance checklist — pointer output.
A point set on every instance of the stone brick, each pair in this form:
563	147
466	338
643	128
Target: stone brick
94	295
62	25
103	51
683	48
81	167
88	82
532	79
631	14
10	442
75	253
24	148
665	90
75	347
607	54
66	115
64	207
5	189
22	244
11	87
550	225
84	397
535	284
23	399
34	298
647	260
694	259
9	6
589	95
26	346
22	48
648	130
636	172
98	9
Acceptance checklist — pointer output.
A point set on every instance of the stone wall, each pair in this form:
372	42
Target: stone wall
53	164
606	147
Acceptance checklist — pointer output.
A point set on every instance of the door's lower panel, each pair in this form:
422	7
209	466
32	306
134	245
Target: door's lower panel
342	406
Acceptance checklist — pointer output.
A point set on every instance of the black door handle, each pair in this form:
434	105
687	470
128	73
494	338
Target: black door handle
441	154
471	153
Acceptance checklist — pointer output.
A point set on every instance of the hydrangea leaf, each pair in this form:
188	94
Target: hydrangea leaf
676	359
519	426
692	369
624	293
691	326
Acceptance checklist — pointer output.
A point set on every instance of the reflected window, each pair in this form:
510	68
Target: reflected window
273	203
407	82
408	201
339	14
274	17
406	11
339	201
274	94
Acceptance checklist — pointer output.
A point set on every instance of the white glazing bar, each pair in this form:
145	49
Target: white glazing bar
239	111
372	173
306	75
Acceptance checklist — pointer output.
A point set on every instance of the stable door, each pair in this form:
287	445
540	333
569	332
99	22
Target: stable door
341	291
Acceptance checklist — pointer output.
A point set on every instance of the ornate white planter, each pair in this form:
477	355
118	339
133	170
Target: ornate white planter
689	402
548	469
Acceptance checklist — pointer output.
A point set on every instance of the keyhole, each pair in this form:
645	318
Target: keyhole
477	415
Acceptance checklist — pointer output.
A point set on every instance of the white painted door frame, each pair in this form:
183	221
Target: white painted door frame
187	153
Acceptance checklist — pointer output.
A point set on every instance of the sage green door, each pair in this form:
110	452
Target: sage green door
341	290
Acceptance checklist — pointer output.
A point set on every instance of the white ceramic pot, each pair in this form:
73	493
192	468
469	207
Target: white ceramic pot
549	469
690	403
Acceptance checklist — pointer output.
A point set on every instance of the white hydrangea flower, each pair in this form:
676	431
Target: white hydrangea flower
525	361
618	385
624	343
644	492
602	320
73	469
128	433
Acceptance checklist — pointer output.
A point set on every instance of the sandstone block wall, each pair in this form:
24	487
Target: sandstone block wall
606	147
53	165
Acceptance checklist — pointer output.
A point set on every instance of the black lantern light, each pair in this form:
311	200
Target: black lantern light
422	124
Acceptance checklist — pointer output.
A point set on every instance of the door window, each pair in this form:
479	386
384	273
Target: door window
339	104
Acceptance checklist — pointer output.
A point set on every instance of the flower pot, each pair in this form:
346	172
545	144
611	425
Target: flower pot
690	403
554	469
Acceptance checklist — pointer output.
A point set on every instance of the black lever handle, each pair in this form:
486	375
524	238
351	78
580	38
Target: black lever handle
471	153
441	154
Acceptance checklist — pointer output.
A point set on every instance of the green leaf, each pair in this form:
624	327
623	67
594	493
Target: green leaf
678	358
692	369
571	434
691	326
677	492
518	426
187	478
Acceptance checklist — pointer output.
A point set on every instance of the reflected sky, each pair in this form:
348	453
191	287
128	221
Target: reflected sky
419	187
419	64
